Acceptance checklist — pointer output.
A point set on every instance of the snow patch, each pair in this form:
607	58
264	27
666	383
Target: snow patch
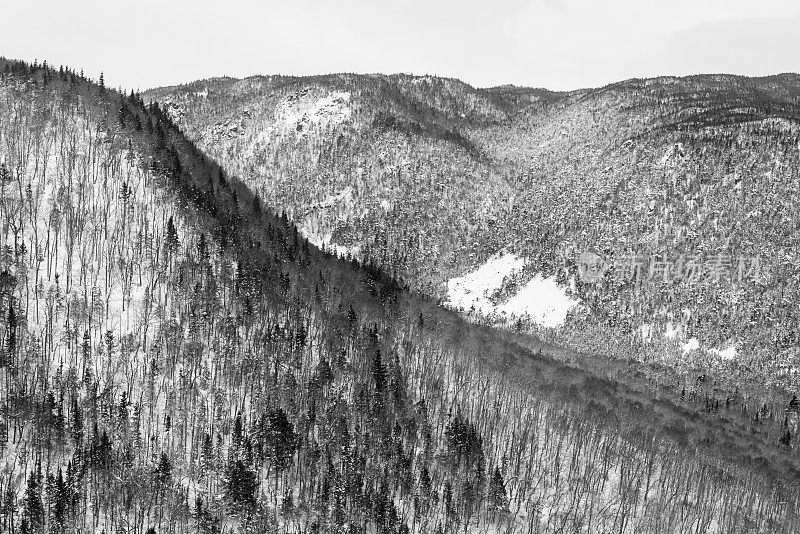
671	331
298	114
345	195
690	345
726	354
677	148
317	222
541	298
319	239
647	331
674	333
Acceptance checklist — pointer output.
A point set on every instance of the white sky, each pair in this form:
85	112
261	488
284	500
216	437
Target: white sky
558	44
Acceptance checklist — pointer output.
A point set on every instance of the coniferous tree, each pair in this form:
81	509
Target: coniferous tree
281	439
240	483
378	372
163	471
33	509
496	498
171	242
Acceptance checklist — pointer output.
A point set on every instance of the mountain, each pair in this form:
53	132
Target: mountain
321	150
488	197
177	357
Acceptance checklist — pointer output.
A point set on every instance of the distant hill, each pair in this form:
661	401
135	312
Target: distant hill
430	178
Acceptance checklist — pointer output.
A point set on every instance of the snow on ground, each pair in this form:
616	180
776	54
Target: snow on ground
726	354
646	330
317	223
473	289
345	195
677	148
690	345
671	331
674	333
319	237
541	298
421	79
297	114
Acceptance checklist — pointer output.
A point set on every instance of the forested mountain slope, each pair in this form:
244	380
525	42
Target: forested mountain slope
178	358
356	161
431	177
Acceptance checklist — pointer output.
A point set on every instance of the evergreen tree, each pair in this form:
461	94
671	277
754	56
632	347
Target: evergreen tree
11	342
34	510
281	439
163	471
496	497
378	372
171	240
240	483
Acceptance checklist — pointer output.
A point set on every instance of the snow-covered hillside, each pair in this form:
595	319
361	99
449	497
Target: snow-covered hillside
299	112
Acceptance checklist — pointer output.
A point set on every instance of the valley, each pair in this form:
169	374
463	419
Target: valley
222	311
431	179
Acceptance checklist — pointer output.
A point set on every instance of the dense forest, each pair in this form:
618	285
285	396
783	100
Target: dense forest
428	177
178	357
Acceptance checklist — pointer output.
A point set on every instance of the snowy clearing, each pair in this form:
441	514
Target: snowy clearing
675	334
540	298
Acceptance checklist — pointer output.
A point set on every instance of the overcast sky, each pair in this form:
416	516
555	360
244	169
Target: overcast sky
558	44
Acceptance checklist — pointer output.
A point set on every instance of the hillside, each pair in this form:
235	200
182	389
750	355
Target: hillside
177	357
436	180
